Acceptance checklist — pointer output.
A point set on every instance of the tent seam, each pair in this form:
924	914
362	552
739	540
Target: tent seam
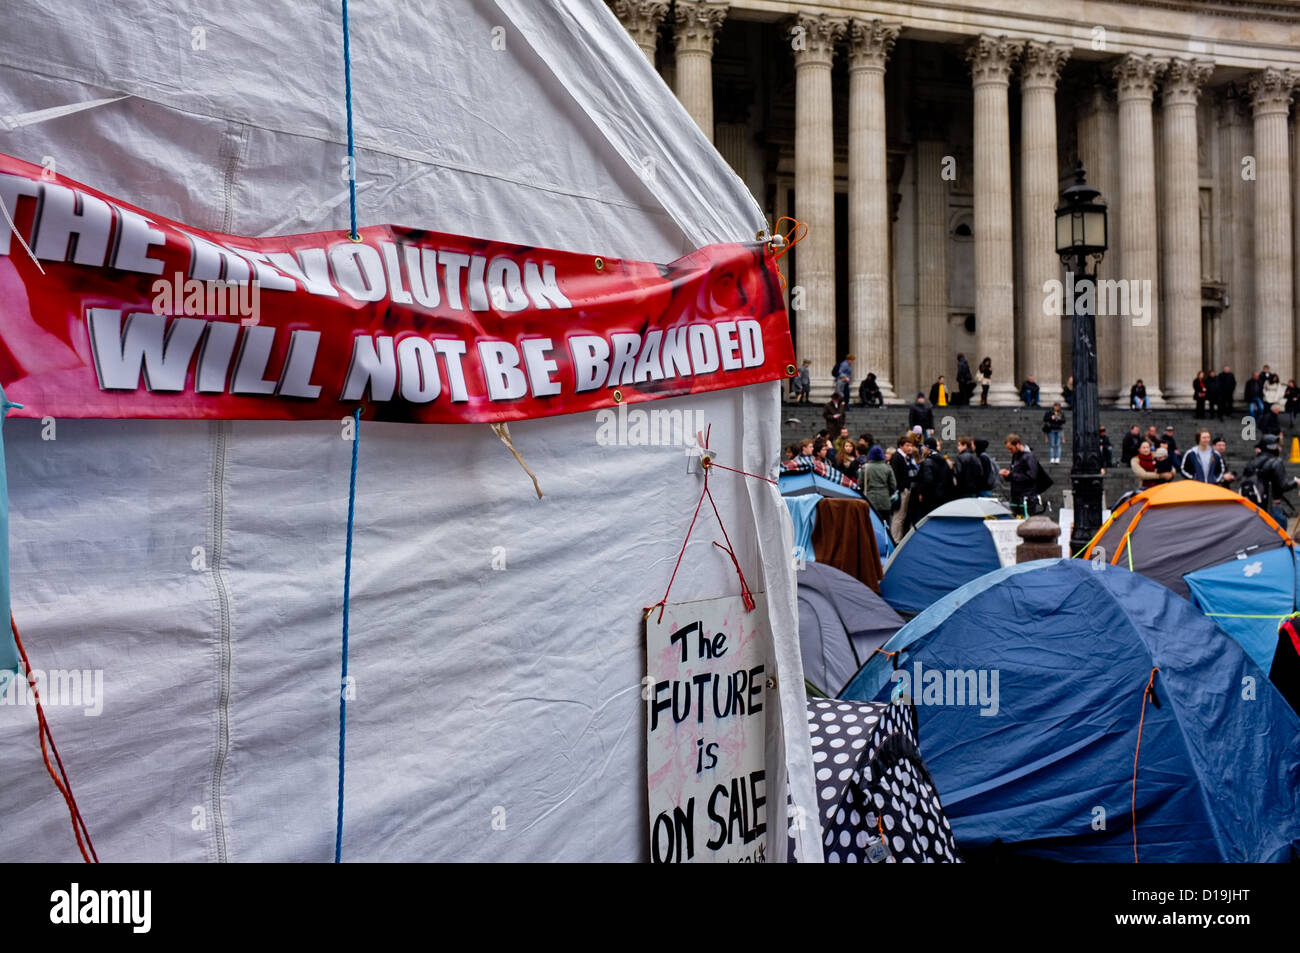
220	430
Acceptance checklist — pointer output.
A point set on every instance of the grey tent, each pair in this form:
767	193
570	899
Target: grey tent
841	622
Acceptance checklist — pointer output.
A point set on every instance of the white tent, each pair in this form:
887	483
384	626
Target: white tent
199	566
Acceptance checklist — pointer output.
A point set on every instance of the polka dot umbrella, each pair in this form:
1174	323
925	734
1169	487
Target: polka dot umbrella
875	798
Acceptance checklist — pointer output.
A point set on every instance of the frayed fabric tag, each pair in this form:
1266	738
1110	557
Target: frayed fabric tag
503	431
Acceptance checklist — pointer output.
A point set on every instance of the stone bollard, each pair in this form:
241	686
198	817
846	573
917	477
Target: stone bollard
1041	539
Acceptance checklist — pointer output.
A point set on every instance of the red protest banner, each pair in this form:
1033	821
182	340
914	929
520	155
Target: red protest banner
138	316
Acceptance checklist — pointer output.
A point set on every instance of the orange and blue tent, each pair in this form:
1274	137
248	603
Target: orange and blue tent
1168	531
1217	549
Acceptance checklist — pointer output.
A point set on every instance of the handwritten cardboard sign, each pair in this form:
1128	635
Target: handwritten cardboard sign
707	696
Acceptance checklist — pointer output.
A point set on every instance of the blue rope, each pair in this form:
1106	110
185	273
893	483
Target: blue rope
352	156
347	594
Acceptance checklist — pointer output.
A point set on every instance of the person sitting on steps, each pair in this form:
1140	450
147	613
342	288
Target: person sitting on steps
1029	392
1137	396
869	392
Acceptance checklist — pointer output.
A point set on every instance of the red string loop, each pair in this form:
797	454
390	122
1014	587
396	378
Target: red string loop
708	465
790	238
65	786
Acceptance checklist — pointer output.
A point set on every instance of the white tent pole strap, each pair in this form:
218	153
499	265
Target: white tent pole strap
16	120
4	207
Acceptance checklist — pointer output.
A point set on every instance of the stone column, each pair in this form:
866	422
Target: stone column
697	28
1135	78
732	142
871	336
1098	148
1181	256
932	355
1295	241
814	38
990	61
641	18
1274	337
1039	178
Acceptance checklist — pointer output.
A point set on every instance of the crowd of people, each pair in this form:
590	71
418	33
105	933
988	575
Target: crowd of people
869	394
1215	395
904	482
907	480
1265	396
1156	459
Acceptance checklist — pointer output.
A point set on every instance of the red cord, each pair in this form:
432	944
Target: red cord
64	785
707	464
745	593
712	464
744	586
1145	694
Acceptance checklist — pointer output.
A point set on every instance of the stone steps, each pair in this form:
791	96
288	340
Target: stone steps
994	423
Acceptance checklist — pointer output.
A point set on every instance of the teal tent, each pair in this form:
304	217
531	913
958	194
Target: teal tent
1248	598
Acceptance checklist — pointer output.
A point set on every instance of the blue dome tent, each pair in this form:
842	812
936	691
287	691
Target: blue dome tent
947	549
1031	684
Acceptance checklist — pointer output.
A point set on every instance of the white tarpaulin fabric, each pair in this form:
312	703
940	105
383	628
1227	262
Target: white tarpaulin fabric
199	566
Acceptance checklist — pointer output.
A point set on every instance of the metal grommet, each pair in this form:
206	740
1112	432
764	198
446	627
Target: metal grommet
758	236
618	394
355	238
771	682
600	264
706	461
790	370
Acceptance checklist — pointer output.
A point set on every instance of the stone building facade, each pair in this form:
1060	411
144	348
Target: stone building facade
926	145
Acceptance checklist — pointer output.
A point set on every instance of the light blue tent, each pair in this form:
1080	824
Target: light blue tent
8	651
803	511
796	485
1249	598
883	542
1031	689
947	549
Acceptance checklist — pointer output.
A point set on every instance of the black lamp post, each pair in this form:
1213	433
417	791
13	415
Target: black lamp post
1081	241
